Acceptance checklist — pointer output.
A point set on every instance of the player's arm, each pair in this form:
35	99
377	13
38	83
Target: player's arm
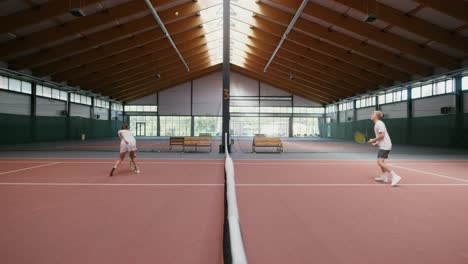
123	138
378	138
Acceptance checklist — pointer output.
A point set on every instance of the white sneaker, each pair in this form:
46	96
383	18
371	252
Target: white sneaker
395	179
137	171
382	178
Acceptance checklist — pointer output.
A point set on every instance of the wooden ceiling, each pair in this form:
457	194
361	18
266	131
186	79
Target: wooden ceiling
117	48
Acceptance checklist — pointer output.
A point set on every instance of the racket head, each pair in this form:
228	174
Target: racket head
359	137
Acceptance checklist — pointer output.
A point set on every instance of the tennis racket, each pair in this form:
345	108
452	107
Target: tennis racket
360	138
132	166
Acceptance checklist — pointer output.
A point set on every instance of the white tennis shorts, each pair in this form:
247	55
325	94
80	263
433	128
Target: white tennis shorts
127	147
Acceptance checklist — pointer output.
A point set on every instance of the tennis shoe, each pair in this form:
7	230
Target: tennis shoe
382	178
112	172
137	171
395	179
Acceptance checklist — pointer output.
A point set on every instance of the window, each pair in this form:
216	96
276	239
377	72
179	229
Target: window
175	125
450	86
330	109
274	126
208	124
26	87
305	127
365	101
3	82
63	95
404	95
55	94
465	83
101	103
309	110
416	92
244	126
244	109
117	107
14	85
141	108
278	110
345	106
144	125
81	99
426	90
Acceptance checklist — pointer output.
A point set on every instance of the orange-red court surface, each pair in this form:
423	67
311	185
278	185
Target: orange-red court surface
291	211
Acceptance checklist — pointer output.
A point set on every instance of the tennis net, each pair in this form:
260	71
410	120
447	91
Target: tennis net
233	245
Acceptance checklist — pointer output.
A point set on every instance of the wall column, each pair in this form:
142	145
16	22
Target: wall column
158	126
226	73
459	135
33	112
409	115
69	135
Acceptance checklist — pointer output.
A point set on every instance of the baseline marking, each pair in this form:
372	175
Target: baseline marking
108	184
29	168
239	185
430	173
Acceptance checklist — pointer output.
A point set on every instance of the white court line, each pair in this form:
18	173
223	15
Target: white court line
29	168
341	163
108	184
430	173
112	162
341	184
220	184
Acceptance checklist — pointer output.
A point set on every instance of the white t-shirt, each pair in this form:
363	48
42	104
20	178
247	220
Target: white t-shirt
386	142
131	146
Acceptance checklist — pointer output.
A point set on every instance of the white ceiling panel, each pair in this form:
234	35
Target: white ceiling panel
437	18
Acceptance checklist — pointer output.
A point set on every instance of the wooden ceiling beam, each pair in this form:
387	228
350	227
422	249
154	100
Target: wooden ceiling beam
314	83
291	49
313	79
174	80
411	24
73	28
122	62
174	69
140	43
297	63
137	32
168	66
455	8
112	78
36	14
364	29
162	86
318	46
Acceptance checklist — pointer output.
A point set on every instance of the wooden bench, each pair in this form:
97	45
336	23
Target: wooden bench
267	142
176	141
197	142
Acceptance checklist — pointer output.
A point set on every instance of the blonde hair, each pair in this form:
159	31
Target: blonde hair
379	114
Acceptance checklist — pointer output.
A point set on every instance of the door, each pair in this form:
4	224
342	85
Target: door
140	129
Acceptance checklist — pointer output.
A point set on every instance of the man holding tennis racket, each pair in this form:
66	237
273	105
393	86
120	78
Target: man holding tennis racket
127	144
384	143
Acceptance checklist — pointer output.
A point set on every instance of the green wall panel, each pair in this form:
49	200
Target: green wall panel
22	129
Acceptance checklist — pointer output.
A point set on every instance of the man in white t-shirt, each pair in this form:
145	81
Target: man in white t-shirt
384	143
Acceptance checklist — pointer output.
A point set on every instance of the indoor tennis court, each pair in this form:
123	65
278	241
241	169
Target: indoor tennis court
233	131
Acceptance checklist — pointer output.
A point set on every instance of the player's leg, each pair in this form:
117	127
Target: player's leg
133	160
118	162
382	166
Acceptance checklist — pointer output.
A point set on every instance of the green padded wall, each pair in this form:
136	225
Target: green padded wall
22	129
